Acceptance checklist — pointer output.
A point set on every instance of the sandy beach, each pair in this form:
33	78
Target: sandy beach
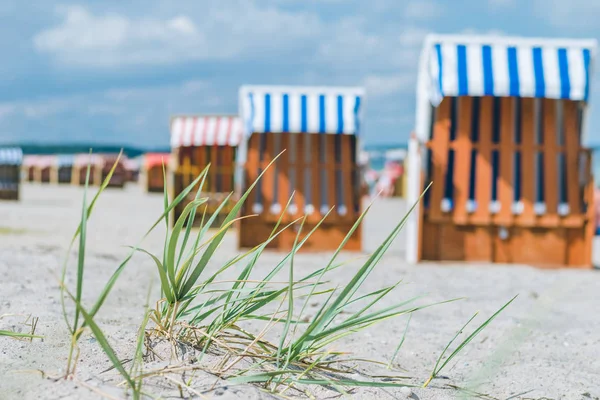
544	345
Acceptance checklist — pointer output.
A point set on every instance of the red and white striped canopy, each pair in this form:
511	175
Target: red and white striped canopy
205	131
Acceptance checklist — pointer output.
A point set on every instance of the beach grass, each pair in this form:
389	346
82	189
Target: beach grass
195	312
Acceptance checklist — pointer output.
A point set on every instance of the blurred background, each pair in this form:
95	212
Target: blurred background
111	73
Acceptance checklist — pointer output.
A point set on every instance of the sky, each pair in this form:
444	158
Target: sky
113	72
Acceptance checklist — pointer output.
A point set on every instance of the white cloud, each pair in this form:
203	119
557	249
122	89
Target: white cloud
236	28
578	14
6	110
114	101
383	85
423	9
353	47
135	115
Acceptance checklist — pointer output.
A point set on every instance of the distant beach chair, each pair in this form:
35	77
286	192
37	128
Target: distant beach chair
196	141
318	127
80	166
11	159
64	168
501	124
153	177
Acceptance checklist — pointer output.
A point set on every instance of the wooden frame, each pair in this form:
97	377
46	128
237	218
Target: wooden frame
322	172
511	183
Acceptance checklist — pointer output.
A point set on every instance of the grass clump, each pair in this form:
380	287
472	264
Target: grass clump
258	329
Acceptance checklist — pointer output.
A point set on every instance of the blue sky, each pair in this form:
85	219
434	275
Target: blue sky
113	72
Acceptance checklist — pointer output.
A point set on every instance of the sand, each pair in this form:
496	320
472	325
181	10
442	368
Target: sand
546	344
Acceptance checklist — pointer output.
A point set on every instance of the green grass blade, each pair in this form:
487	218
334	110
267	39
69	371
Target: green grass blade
81	253
290	294
370	304
137	363
164	281
401	342
191	281
471	336
352	382
257	378
184	277
257	253
174	238
357	280
121	267
106	347
192	216
375	316
18	334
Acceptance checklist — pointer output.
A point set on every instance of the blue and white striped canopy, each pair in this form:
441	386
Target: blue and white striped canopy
11	156
504	66
301	109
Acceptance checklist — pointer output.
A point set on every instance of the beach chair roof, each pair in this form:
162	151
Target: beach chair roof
296	109
466	65
156	159
205	130
11	156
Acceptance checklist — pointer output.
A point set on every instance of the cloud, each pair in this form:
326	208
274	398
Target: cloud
129	115
235	29
423	9
572	14
383	85
354	47
6	110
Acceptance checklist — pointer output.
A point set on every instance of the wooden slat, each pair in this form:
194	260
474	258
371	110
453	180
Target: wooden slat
478	243
212	153
439	156
430	239
451	242
315	168
227	168
300	196
483	178
251	171
292	150
283	170
331	166
347	174
462	160
572	144
550	163
527	218
269	177
506	184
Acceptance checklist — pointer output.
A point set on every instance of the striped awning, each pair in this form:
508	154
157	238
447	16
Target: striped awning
301	109
205	131
11	156
505	66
